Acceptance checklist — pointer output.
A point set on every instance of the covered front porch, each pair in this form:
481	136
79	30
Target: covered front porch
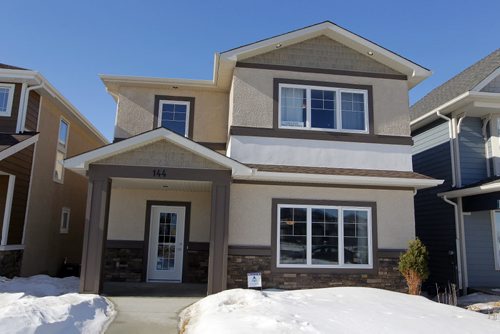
157	212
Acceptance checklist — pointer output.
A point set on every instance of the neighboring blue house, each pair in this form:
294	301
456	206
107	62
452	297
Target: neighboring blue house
456	133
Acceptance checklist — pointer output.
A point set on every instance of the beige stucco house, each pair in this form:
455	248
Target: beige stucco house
42	206
293	161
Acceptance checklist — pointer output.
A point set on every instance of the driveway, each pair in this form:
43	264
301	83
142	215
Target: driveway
149	308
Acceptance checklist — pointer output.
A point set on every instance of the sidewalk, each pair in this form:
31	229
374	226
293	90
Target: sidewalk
147	314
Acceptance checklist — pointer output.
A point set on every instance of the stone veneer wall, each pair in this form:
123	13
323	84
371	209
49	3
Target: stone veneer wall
10	263
388	276
126	265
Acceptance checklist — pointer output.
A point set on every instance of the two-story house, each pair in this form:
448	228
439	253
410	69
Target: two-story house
456	130
293	161
42	207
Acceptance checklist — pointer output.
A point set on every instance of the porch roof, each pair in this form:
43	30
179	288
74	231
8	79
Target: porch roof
80	163
483	187
13	143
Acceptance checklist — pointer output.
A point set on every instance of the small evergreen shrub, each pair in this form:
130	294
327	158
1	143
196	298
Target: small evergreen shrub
413	266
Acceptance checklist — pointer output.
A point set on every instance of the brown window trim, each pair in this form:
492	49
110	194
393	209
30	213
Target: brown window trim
147	227
278	81
320	135
321	70
189	99
274	235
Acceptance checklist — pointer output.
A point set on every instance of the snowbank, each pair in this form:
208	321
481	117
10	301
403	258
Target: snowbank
42	304
332	310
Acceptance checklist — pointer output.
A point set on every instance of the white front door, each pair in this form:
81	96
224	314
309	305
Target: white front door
166	243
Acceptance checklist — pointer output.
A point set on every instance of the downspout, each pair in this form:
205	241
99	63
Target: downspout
486	121
25	105
456	142
451	135
21	107
457	240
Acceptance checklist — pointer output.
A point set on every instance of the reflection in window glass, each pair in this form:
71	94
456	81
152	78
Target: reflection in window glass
174	116
496	238
293	235
293	107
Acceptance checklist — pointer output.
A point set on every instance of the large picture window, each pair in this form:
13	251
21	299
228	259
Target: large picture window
323	108
324	236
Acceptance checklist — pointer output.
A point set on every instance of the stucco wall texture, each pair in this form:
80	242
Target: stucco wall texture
136	111
252	98
250	211
127	212
46	248
321	52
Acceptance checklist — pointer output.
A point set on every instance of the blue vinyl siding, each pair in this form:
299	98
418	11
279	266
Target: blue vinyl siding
434	218
479	248
472	151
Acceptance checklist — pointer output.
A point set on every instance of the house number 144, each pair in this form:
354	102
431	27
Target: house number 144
160	172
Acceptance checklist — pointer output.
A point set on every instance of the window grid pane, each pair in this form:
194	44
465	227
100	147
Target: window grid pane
167	231
324	236
323	109
293	235
293	107
4	98
353	111
355	237
63	132
174	116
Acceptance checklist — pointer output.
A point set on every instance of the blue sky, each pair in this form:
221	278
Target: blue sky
71	42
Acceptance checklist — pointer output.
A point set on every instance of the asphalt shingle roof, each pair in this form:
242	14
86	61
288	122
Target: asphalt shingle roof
459	84
11	67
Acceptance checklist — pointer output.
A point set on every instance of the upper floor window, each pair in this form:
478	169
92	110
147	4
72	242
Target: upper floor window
323	108
174	115
64	227
63	132
62	146
6	97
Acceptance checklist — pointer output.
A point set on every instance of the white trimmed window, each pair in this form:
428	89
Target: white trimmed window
6	97
65	215
62	145
323	108
174	115
496	238
319	236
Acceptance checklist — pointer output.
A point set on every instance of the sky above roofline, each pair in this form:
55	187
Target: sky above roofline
70	43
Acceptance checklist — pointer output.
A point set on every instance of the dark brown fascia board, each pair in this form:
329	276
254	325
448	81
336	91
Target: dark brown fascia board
278	81
321	71
189	99
274	234
101	172
319	135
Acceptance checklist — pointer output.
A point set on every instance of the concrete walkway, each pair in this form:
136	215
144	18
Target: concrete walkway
150	307
147	314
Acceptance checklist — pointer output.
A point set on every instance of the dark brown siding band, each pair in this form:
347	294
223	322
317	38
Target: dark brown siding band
191	101
249	250
130	244
321	70
319	135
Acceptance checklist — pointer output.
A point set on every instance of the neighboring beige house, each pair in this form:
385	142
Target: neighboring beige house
42	206
294	161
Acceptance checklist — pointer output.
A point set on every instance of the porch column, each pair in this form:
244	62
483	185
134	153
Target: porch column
219	222
95	234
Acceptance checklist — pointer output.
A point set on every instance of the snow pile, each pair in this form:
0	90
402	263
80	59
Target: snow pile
42	304
481	302
331	310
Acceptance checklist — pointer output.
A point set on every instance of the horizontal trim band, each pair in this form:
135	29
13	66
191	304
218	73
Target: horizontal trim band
131	244
198	246
389	253
322	185
249	250
320	135
321	70
214	146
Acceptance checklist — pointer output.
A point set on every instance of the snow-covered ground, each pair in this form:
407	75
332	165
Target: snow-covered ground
331	310
42	304
481	302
